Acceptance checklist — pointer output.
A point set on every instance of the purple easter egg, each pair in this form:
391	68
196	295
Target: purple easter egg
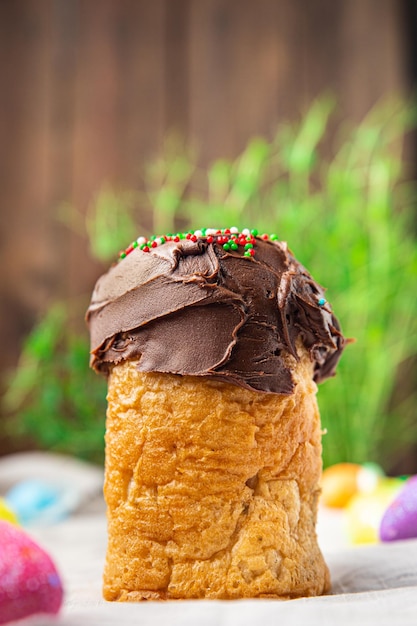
400	519
29	581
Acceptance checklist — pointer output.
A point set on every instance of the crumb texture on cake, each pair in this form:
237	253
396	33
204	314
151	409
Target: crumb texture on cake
211	489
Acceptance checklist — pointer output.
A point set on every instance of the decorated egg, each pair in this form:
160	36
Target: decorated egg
400	519
29	581
6	512
33	499
369	477
339	484
364	512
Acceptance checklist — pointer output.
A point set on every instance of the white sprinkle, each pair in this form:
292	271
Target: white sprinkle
246	231
198	233
234	230
141	240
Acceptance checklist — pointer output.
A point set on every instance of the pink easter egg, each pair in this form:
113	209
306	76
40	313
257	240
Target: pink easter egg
29	581
400	519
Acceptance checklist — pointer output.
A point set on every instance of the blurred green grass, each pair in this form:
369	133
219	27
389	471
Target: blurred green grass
349	215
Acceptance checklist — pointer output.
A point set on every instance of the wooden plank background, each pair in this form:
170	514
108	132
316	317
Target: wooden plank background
89	89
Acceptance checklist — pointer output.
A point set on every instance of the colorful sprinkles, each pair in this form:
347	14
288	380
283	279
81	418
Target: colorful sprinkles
231	239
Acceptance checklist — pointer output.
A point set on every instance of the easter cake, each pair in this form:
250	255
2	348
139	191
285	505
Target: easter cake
213	342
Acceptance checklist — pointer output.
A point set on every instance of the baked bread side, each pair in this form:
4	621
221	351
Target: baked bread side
211	489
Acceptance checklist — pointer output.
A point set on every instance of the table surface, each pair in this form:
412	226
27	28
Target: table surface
371	584
374	584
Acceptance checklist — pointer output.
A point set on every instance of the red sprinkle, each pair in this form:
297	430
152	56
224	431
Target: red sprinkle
229	238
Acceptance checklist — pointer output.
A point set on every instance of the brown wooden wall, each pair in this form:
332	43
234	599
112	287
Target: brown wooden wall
89	88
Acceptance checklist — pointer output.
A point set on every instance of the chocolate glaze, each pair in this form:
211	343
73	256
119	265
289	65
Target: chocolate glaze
193	308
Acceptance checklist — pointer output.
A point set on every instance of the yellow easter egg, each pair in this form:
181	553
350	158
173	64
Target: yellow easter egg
365	510
6	513
339	483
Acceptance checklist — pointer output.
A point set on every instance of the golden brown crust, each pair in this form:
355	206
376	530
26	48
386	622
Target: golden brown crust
211	489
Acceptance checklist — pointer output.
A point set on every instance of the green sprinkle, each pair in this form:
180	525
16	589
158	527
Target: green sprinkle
273	237
123	255
247	254
248	246
135	244
234	245
254	232
226	246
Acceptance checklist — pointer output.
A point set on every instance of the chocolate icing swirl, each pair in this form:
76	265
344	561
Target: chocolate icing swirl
192	308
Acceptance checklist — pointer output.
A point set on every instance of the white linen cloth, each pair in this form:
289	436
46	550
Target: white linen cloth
372	585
